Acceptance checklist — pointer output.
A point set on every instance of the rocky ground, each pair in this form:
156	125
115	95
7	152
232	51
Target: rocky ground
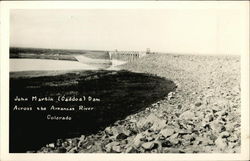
201	116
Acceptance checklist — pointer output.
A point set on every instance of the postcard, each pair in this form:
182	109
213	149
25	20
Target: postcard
125	80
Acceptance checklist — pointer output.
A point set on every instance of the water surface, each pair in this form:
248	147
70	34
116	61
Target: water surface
52	65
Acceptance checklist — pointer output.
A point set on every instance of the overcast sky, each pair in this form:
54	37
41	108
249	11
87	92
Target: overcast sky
169	30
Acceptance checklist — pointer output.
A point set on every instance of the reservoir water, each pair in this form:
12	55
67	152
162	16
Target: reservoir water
52	65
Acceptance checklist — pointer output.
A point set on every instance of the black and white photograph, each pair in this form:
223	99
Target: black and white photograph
164	80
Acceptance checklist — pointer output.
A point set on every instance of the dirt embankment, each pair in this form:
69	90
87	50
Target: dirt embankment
202	115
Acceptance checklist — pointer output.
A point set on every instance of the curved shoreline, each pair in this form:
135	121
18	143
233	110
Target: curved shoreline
201	116
107	96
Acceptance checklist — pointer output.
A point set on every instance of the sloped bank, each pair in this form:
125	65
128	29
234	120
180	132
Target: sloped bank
201	116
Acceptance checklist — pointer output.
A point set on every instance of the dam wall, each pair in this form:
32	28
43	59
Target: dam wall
126	55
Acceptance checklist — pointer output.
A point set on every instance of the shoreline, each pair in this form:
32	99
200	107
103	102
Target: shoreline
201	116
95	99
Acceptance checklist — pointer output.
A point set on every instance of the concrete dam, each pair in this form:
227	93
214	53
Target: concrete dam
104	60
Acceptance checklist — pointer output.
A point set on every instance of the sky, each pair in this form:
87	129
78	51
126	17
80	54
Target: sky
202	31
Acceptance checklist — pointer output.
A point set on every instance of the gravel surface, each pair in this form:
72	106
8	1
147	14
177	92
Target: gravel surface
201	116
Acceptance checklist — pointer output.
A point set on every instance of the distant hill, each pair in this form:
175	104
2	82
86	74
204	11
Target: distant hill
55	54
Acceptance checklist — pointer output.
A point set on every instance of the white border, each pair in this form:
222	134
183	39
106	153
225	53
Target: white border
4	48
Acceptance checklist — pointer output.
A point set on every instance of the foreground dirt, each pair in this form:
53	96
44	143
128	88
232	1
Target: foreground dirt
201	116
